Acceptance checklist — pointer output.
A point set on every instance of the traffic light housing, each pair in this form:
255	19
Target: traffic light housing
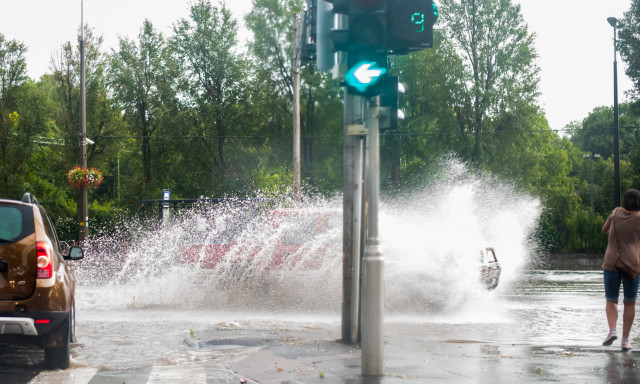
391	26
375	29
390	90
367	23
410	25
325	59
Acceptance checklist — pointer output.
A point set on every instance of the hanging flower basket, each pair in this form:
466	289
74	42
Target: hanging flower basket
82	177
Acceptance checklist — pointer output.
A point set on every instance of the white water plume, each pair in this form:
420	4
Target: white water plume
431	239
433	236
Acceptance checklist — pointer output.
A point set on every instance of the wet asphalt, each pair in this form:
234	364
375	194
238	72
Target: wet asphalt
411	355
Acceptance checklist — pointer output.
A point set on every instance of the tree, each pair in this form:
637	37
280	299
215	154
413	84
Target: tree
271	24
629	47
629	44
500	73
13	77
139	78
430	129
271	50
595	134
102	116
320	97
214	75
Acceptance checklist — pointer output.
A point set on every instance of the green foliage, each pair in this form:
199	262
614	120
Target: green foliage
629	44
595	134
199	113
499	73
105	218
584	230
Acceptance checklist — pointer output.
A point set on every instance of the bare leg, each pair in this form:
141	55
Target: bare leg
628	315
611	309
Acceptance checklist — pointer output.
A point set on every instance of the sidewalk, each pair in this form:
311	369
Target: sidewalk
412	355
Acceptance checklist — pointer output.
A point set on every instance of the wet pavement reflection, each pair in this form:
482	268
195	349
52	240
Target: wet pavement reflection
546	326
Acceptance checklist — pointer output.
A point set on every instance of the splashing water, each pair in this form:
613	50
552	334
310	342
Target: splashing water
232	257
432	240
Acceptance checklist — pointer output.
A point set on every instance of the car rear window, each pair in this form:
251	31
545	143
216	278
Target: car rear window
16	222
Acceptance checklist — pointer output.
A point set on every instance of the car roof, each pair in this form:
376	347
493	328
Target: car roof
15	202
28	199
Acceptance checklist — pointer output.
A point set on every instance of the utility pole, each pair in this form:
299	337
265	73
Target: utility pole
297	48
83	206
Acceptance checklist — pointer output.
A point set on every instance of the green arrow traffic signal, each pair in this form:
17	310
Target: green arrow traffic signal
364	74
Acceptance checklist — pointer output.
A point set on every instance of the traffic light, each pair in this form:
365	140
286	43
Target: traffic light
364	40
324	43
391	26
367	25
410	25
366	29
390	92
365	71
308	39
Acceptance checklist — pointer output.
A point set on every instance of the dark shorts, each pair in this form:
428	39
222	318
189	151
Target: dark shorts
612	282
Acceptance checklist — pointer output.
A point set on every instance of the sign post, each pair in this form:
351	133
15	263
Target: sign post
166	211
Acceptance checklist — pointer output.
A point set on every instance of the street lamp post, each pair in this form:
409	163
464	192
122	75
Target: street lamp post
83	207
616	127
592	156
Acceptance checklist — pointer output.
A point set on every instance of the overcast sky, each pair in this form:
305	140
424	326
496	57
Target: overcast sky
574	40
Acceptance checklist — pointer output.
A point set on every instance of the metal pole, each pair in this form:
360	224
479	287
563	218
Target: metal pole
83	231
353	214
373	261
355	249
357	222
616	125
348	168
297	46
591	157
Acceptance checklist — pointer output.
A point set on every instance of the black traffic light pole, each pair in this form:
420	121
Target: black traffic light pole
616	124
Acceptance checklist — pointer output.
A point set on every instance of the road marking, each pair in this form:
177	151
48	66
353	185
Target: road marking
171	374
194	372
68	376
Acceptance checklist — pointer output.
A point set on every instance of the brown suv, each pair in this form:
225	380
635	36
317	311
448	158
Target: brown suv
37	287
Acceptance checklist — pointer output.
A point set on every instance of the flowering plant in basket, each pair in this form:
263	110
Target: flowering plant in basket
82	177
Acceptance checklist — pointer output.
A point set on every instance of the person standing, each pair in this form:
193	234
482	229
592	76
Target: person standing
623	227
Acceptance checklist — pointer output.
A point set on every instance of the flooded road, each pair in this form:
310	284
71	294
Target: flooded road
554	311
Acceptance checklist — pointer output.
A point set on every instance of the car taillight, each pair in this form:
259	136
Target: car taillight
44	260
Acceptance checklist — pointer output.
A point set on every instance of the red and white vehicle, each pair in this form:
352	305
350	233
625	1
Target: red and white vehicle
287	239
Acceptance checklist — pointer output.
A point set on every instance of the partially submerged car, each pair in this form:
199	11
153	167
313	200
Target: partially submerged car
37	286
290	238
489	268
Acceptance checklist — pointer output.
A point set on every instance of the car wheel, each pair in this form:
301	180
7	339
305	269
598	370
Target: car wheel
59	357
